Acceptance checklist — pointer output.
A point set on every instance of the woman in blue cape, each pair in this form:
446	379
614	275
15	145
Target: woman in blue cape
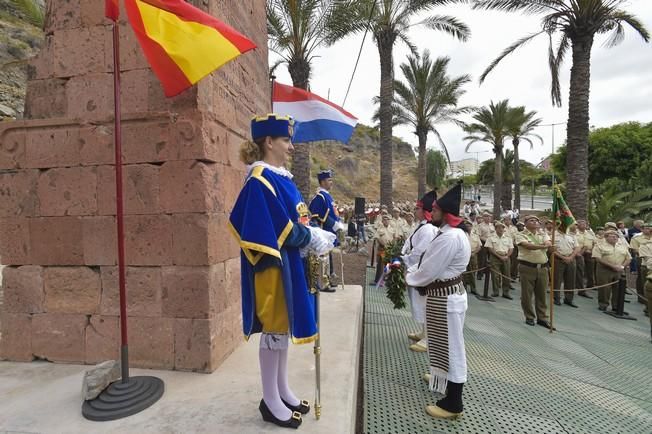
270	221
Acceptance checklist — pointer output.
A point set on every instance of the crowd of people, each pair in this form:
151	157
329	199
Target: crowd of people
520	249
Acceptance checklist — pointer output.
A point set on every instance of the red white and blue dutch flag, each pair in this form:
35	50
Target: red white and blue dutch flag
316	117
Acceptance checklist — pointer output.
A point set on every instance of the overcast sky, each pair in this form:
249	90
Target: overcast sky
621	84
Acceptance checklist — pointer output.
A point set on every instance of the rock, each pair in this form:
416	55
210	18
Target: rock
7	112
98	378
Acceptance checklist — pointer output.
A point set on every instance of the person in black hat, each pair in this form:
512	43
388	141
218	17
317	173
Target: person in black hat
414	246
438	275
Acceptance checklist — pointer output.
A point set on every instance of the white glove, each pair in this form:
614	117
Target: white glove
339	226
321	241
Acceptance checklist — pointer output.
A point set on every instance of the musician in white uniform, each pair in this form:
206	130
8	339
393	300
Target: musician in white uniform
439	276
414	246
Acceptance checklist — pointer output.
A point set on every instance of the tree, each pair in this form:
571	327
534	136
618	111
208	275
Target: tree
486	174
427	97
435	168
389	22
575	23
521	125
610	203
622	153
490	126
296	28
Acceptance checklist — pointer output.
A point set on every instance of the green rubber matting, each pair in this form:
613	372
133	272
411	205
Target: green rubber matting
594	375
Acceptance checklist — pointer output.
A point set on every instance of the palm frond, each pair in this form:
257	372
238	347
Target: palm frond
449	25
506	52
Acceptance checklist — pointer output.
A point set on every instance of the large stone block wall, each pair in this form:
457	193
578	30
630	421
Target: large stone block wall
181	177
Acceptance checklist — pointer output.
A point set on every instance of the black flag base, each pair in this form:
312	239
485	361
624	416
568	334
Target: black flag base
124	399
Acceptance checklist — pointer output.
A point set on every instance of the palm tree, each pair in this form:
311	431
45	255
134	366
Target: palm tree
490	126
296	28
427	97
520	127
389	22
575	23
486	173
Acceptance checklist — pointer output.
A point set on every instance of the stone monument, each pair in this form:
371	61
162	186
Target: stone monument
181	177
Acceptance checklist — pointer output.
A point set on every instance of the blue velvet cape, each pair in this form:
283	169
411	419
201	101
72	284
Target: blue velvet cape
267	222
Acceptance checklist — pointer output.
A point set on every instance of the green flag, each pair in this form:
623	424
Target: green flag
560	210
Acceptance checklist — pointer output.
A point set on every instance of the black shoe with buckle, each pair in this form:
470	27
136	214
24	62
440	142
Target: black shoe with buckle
329	289
293	422
545	324
557	303
602	308
570	303
508	297
303	407
529	322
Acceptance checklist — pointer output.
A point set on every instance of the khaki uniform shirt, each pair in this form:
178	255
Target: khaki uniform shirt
500	245
511	231
639	240
646	255
565	244
485	230
533	256
613	255
585	240
385	235
476	244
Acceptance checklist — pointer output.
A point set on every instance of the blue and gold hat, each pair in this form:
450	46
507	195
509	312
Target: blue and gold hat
272	125
324	174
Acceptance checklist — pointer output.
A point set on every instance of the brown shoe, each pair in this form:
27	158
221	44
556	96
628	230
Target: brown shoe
440	413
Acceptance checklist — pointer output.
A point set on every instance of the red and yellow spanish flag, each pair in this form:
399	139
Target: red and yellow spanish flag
181	43
112	9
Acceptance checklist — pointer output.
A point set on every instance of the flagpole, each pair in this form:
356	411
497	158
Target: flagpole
130	395
552	259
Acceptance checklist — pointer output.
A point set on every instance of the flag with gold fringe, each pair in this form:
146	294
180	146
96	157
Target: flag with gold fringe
182	43
561	211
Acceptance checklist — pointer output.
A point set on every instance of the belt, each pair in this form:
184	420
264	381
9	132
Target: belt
532	264
438	285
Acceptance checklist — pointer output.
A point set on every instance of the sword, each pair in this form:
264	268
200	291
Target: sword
318	275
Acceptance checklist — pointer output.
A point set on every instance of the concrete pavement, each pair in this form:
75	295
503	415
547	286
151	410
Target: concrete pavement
45	398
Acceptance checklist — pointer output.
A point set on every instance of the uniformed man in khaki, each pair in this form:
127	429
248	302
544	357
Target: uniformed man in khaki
499	248
565	251
636	243
476	244
584	262
646	255
533	269
611	258
621	238
511	231
485	229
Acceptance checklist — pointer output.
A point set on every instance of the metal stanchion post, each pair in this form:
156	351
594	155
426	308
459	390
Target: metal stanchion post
485	294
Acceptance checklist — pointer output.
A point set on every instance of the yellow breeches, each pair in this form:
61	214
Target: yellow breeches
270	301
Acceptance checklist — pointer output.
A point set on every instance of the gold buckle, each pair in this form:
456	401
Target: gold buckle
305	403
296	415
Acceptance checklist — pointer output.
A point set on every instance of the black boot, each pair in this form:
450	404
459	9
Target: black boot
453	400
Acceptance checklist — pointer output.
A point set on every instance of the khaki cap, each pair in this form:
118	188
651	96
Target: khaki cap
610	225
499	223
531	217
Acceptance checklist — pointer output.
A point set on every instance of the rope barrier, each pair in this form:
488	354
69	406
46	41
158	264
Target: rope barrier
637	294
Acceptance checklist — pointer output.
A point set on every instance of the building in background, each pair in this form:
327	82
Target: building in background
467	166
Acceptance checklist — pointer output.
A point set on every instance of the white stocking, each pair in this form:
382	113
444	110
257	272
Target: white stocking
283	386
269	366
